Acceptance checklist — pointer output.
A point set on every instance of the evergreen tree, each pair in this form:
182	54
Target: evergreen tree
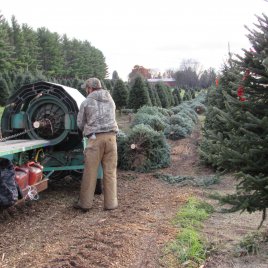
4	92
152	97
19	79
7	78
43	53
120	94
192	94
77	83
97	61
177	96
50	52
28	78
187	95
108	84
170	97
6	50
158	101
176	101
115	75
30	49
39	76
147	87
162	94
242	144
138	95
17	42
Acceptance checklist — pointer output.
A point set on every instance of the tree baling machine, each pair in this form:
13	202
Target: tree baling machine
39	132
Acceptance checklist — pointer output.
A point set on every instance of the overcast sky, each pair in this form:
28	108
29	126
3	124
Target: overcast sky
154	34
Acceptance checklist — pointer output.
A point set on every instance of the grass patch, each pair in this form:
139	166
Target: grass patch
193	214
189	248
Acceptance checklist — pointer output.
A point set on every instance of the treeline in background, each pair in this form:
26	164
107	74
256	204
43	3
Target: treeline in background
28	55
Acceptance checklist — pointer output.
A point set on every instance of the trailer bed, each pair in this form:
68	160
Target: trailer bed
16	146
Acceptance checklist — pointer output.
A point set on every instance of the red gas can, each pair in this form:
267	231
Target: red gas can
22	176
35	172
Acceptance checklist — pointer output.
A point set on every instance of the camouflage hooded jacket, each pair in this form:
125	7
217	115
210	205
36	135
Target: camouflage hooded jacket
97	113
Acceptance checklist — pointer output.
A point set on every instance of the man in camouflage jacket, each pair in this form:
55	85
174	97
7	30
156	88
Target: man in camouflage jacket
96	118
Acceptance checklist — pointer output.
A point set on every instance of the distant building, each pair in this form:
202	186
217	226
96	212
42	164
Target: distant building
167	81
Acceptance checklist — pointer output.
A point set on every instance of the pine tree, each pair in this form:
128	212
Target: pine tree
24	50
6	50
31	49
17	42
50	52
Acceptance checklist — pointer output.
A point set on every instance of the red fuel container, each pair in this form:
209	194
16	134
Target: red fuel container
35	172
22	176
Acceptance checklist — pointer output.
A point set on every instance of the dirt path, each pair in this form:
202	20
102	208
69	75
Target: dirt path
49	233
224	231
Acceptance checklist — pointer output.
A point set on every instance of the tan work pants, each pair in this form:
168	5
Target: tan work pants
102	149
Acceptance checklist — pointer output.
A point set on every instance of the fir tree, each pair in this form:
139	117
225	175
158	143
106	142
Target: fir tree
170	97
177	96
147	87
138	95
152	97
120	94
162	93
239	142
158	101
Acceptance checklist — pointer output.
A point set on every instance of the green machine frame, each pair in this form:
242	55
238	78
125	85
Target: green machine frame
39	123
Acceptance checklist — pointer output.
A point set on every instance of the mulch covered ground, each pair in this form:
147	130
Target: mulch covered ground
50	233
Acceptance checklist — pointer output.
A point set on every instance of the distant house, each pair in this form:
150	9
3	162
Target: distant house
167	81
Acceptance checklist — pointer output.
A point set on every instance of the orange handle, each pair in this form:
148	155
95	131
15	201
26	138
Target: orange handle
34	164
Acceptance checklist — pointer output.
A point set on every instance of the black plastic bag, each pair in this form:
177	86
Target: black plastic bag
8	187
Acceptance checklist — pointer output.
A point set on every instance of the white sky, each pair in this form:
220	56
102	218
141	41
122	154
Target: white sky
151	33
